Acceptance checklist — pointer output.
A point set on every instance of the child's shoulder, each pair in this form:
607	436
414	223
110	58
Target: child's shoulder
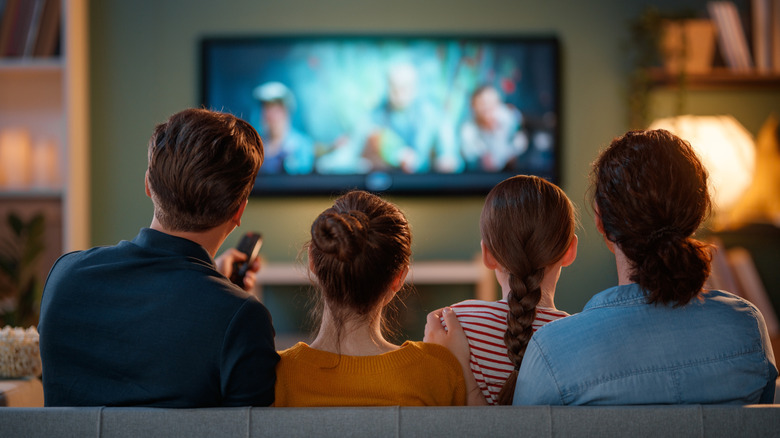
547	312
479	305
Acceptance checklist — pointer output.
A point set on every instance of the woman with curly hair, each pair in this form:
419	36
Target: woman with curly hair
658	337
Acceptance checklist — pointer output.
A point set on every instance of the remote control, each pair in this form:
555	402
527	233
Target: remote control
250	245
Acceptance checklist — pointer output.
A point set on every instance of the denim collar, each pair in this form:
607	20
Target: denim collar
626	295
158	241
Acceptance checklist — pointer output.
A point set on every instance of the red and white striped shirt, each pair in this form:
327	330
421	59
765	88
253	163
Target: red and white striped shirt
485	324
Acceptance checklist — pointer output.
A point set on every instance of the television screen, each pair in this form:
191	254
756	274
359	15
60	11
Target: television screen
391	114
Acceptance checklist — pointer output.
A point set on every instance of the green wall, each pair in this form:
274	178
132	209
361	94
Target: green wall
144	67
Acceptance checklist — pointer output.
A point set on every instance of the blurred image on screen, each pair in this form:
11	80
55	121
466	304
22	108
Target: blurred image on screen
407	114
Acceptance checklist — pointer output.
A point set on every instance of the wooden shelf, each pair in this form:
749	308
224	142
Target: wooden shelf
719	78
30	64
30	194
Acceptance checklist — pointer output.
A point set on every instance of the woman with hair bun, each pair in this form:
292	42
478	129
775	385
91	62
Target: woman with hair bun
658	337
359	253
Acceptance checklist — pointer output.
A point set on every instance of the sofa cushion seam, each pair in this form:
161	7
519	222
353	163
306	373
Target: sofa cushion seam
248	421
100	422
397	421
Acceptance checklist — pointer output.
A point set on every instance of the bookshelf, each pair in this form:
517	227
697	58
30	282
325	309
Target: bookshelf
718	78
48	98
725	50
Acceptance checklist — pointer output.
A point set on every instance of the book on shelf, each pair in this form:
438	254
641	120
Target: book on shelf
775	35
29	28
762	28
3	17
20	27
32	29
731	36
49	32
7	23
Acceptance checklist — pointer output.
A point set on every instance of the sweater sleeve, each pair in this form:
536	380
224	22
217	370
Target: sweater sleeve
454	394
459	397
249	358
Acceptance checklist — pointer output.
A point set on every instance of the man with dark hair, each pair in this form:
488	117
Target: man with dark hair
155	321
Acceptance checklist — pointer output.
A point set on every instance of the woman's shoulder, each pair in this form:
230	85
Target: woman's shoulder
420	347
430	351
296	351
729	303
435	359
725	297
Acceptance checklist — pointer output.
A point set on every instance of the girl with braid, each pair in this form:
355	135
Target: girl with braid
527	228
359	255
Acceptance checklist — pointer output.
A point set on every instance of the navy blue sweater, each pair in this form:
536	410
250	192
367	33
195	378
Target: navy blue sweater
152	323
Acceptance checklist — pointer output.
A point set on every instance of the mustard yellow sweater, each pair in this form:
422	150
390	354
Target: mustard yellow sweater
417	374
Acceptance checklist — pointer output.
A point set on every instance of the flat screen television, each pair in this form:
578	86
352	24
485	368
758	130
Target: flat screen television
391	114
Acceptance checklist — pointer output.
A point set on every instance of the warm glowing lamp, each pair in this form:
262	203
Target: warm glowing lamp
726	149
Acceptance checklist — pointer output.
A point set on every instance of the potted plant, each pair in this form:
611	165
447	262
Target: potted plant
20	288
677	43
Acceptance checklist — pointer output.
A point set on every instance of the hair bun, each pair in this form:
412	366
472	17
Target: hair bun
342	234
360	217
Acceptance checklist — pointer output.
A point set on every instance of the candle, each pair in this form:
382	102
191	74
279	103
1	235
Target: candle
45	164
15	158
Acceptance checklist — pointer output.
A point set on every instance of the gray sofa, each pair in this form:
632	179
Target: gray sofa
377	422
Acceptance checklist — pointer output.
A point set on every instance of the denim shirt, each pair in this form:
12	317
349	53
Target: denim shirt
620	350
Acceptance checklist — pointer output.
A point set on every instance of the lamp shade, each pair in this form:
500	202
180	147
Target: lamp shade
726	149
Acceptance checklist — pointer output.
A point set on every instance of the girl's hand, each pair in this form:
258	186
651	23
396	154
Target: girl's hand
450	334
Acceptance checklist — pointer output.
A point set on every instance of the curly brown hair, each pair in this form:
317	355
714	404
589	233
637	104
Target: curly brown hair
650	189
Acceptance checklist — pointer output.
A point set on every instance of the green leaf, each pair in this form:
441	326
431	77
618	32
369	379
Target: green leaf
16	223
19	251
25	311
7	266
31	253
36	227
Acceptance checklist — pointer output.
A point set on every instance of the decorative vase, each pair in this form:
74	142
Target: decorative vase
688	46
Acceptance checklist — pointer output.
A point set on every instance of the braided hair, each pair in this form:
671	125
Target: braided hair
527	224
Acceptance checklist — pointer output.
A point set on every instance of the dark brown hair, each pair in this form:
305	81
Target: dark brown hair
651	192
202	166
358	246
527	224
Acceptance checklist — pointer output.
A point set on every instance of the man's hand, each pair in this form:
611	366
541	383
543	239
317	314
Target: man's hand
225	265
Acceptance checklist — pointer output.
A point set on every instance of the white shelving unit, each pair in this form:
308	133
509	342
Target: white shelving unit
49	98
424	272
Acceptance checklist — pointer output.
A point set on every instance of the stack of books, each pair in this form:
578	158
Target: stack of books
733	41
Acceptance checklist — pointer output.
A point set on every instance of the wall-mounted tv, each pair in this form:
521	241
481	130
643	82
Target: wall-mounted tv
391	114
